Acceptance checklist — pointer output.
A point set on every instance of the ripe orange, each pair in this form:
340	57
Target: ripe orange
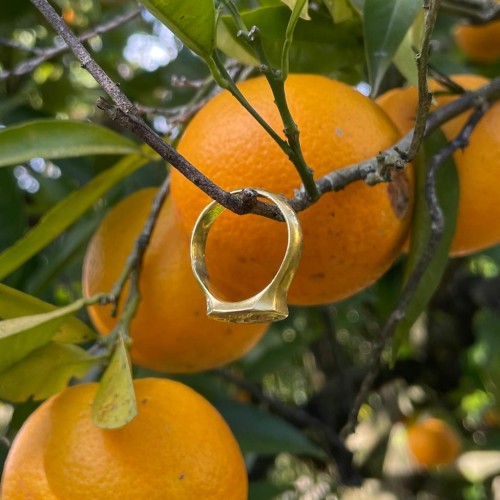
480	43
350	237
177	447
433	442
171	331
478	164
24	475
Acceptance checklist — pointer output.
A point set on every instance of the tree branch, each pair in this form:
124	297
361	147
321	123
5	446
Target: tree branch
45	54
476	11
372	171
299	417
424	96
410	287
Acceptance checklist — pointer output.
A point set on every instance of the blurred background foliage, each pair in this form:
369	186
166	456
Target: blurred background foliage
306	372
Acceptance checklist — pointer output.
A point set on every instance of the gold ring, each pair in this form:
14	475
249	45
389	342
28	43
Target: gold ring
270	304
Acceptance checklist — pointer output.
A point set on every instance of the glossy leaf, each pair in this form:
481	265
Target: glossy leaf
238	50
114	405
54	365
14	304
260	432
65	213
12	212
20	336
318	46
60	139
404	59
385	25
448	193
192	21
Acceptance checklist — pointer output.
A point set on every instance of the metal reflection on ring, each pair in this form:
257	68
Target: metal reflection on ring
270	304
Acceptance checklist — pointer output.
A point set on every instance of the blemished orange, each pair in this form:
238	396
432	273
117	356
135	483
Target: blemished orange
177	447
351	237
480	43
478	165
433	442
170	331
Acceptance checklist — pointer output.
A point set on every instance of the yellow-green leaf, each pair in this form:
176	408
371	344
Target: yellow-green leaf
54	365
303	7
60	139
65	213
404	59
114	405
14	303
341	10
192	21
20	336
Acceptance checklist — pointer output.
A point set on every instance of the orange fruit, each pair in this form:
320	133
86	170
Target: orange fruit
433	442
351	237
177	447
480	43
24	475
478	165
171	331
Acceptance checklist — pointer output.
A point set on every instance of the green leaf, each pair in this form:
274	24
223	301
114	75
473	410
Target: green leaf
299	10
14	303
114	405
259	490
192	21
447	184
20	336
260	432
60	139
404	59
56	220
12	216
54	365
318	47
239	51
340	10
385	25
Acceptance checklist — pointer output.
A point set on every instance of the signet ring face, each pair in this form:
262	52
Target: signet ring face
270	304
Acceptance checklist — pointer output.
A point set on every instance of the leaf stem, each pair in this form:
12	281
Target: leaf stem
235	91
276	79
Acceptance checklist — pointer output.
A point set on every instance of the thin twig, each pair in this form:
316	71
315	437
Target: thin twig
476	11
299	417
43	55
126	113
424	96
276	80
134	261
131	273
410	287
372	171
14	44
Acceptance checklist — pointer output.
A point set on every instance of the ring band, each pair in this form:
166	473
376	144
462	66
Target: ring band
270	304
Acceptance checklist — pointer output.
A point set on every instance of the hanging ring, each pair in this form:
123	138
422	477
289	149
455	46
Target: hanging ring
270	304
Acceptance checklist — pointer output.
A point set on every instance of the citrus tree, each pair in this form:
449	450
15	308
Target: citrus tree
248	249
